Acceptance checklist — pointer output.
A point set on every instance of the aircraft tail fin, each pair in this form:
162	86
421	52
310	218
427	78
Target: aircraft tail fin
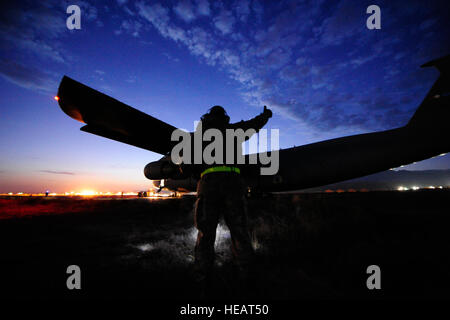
433	113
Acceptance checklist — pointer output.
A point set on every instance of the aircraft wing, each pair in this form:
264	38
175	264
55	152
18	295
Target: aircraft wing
112	119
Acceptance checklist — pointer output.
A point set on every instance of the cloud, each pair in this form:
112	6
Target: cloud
129	27
347	20
88	11
258	9
203	8
158	16
34	31
128	10
185	10
156	13
57	172
242	10
170	58
314	62
427	24
131	79
224	22
27	77
41	48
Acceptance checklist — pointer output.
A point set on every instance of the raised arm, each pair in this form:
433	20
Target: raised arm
255	123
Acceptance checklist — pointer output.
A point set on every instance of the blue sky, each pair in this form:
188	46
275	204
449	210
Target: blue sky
314	63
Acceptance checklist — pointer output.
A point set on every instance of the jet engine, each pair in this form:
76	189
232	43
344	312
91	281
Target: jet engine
163	169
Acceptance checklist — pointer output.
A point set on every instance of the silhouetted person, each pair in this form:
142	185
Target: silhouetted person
221	193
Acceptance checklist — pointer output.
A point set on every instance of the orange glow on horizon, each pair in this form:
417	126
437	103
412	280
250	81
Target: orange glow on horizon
87	193
56	98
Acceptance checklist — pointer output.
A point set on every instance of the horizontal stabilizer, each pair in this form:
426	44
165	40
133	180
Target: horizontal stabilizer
112	119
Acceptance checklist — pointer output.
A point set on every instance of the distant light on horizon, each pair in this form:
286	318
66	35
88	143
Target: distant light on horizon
403	188
87	193
56	98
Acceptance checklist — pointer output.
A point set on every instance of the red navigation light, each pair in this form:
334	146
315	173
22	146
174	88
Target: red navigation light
56	98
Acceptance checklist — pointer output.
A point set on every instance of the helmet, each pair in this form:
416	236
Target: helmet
217	112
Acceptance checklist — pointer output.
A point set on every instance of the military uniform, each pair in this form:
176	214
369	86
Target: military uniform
221	193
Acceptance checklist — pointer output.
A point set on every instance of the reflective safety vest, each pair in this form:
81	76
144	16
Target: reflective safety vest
220	169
